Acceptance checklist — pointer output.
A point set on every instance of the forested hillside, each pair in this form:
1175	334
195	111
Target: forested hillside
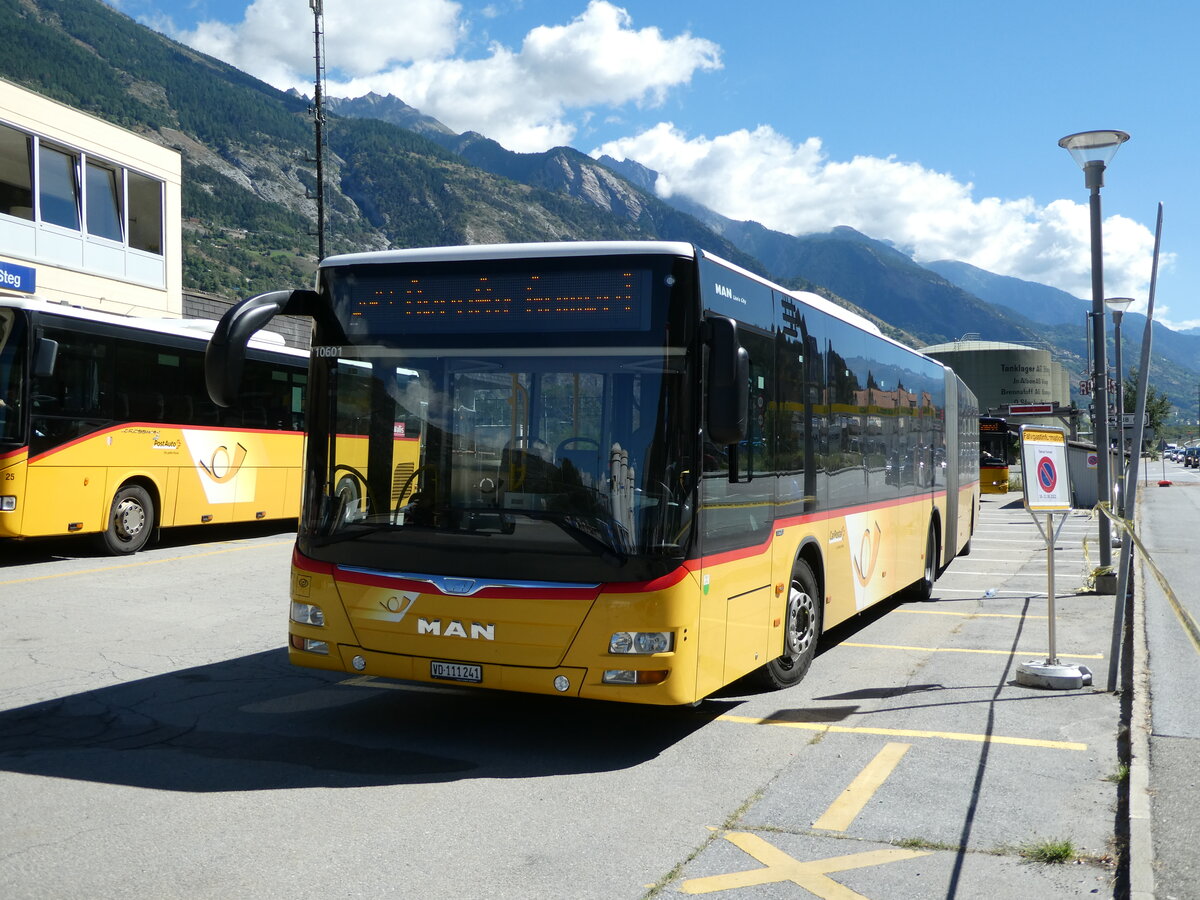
248	174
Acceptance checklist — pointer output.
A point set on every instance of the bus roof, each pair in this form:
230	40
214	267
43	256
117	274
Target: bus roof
197	329
512	251
551	249
808	297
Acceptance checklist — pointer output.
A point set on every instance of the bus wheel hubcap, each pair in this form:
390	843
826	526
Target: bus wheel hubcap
130	518
800	619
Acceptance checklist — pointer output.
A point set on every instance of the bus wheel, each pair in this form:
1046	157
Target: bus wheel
130	521
348	498
923	589
802	627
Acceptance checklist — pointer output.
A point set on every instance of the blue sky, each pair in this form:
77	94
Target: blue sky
930	124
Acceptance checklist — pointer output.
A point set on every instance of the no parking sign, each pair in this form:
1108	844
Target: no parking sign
1044	464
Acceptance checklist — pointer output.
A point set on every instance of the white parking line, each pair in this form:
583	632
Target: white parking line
938	589
1041	575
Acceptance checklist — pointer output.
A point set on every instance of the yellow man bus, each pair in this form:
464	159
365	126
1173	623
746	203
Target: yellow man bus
106	428
641	472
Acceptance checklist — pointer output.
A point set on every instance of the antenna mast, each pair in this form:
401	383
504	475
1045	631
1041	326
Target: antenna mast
318	113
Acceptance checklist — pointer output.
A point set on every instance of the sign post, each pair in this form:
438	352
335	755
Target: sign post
1047	489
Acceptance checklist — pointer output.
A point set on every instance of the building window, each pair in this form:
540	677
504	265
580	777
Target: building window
103	202
79	210
145	213
58	187
16	173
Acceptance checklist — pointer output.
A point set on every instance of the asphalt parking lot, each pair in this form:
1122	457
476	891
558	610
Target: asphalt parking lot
150	714
953	778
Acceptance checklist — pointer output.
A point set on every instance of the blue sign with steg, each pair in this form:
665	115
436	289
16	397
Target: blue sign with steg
17	278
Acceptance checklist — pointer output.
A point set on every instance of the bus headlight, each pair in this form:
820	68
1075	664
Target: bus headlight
8	503
307	614
641	642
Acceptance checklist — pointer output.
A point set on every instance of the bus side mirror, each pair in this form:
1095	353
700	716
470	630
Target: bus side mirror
226	354
728	404
45	358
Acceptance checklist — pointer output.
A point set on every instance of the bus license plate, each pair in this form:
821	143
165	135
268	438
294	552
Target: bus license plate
448	671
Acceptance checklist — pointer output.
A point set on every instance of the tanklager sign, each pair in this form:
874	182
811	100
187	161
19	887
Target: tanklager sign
1047	482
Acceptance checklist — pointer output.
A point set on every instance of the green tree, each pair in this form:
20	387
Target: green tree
1158	406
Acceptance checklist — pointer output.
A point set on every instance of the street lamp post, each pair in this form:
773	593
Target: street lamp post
1118	305
1093	150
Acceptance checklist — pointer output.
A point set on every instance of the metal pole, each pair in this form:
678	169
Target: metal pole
1052	659
1120	474
319	123
1094	179
1139	417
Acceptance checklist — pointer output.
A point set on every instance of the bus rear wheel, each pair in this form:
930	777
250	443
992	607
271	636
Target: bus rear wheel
923	589
130	521
802	628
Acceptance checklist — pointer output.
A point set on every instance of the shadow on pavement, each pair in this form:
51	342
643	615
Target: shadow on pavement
256	723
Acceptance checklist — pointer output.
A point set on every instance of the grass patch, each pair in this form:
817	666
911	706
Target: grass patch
1050	852
1120	776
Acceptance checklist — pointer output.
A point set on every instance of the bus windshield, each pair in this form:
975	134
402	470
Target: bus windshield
12	378
473	451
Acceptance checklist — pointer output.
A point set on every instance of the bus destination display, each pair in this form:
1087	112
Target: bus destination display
602	300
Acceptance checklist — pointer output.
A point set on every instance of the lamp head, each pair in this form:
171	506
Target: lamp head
1093	146
1118	305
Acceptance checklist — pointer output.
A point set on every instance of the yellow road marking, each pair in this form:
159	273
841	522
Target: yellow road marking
966	650
779	866
143	562
907	733
844	809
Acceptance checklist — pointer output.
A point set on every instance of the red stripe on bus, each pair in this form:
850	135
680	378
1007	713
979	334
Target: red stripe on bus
672	578
499	592
763	547
300	561
112	429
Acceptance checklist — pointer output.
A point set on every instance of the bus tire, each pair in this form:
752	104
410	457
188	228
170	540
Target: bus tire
922	589
966	549
130	521
802	628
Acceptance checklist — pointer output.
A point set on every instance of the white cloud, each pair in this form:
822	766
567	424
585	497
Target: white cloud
526	99
795	188
274	39
540	94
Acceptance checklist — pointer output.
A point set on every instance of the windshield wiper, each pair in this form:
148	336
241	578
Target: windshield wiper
581	529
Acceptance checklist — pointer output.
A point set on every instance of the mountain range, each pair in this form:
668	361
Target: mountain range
398	178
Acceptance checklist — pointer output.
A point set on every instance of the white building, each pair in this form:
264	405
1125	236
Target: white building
90	213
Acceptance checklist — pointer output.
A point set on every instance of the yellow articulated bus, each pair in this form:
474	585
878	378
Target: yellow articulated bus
638	473
106	428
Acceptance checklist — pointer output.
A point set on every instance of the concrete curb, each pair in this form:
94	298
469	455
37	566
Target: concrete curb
1141	845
